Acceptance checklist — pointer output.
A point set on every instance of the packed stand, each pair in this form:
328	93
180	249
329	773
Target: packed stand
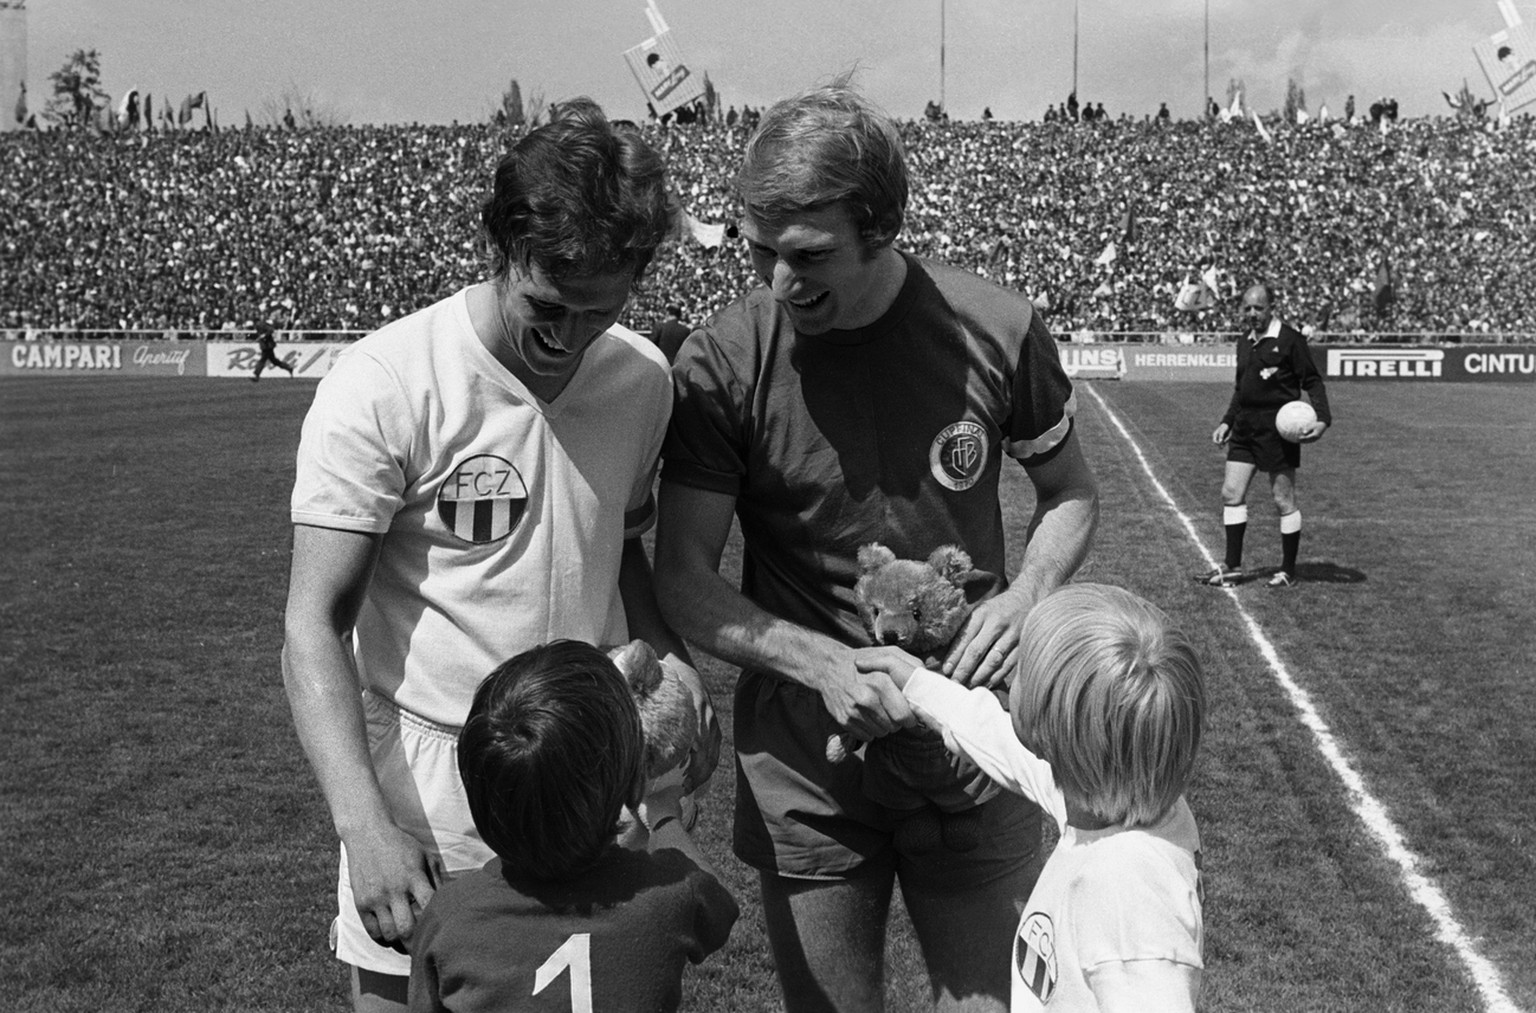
1100	223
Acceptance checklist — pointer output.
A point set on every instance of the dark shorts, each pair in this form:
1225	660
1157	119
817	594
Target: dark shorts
799	815
1256	441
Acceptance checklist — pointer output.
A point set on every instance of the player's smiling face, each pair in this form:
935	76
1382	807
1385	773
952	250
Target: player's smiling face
548	324
821	272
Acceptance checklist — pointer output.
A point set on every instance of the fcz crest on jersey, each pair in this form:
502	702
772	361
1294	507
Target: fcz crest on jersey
958	454
482	500
1034	955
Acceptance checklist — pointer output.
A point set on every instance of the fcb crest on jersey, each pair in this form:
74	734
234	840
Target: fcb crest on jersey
482	499
957	455
1034	955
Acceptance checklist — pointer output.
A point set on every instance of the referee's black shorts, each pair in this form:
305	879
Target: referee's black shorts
1256	441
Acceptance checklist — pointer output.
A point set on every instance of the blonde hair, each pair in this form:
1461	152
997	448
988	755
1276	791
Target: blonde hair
1112	696
825	148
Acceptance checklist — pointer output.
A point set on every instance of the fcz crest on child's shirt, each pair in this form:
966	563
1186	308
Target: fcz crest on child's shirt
482	499
1034	955
958	454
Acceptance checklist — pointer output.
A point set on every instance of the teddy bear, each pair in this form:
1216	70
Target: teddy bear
668	714
920	606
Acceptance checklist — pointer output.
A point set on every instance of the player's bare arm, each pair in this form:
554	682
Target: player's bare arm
702	606
392	878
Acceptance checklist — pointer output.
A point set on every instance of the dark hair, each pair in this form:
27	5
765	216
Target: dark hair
578	196
824	148
550	754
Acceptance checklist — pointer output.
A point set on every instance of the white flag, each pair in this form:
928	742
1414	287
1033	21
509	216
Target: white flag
1212	280
707	234
1263	130
1108	256
1193	296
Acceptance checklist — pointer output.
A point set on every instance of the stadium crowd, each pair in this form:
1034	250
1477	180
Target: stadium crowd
1102	224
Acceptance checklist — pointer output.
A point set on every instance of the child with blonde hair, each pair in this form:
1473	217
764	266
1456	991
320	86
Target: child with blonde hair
1107	707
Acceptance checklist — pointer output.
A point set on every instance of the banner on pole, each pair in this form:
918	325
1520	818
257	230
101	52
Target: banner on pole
1508	61
660	70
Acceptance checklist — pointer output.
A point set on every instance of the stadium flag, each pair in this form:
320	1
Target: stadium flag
1263	130
1108	256
707	234
1128	226
21	104
191	102
1212	279
1322	114
1194	296
1503	120
128	108
1453	103
1301	116
659	68
1508	61
1104	291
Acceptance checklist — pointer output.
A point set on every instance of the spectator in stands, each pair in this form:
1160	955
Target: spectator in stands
103	231
670	332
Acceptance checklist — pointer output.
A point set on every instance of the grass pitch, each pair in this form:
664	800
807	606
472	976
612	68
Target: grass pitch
167	849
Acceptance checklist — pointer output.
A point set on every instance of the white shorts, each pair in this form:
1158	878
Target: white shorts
417	763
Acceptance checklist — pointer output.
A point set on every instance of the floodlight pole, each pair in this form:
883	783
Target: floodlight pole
942	4
1075	5
1205	100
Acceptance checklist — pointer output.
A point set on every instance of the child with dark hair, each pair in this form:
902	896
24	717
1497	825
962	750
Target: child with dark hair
564	918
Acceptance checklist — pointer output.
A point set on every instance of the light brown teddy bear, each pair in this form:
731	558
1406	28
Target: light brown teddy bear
668	714
920	607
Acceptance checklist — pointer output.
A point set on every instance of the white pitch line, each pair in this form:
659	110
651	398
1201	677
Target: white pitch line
1372	813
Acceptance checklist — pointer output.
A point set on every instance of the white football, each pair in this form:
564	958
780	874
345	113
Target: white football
1293	419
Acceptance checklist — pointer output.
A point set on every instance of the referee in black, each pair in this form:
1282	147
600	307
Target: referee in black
1273	367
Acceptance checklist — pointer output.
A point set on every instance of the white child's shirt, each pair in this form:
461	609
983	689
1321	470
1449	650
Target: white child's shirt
1109	903
503	517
